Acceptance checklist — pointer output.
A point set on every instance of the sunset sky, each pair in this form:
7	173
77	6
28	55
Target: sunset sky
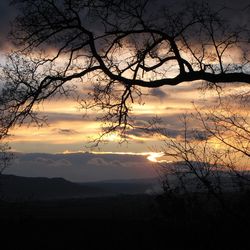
125	124
70	130
67	129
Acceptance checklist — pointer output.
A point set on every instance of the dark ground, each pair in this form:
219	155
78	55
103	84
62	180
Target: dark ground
124	222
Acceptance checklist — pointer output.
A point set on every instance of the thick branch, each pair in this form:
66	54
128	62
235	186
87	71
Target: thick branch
187	77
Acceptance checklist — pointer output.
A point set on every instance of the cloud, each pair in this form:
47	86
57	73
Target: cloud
66	131
99	162
102	162
66	124
48	162
43	160
58	116
156	92
235	9
61	163
7	14
83	167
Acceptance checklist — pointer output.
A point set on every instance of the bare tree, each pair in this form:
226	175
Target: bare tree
213	157
5	157
5	161
119	47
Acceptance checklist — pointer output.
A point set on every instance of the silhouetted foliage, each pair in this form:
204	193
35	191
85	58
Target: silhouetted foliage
119	47
5	161
211	160
5	157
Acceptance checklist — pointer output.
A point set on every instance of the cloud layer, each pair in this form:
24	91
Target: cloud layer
83	167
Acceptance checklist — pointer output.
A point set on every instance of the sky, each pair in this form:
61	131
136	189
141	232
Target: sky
70	131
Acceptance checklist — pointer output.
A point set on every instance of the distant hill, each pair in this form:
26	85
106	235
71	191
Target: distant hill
36	188
16	188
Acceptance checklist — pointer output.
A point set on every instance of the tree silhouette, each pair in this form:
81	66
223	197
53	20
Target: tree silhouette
214	156
5	157
118	46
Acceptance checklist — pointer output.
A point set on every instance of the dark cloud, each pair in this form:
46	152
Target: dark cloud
7	14
82	167
167	119
102	162
140	123
53	162
158	93
66	131
192	134
56	117
238	11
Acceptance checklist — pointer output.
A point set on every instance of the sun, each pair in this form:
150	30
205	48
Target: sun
154	155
